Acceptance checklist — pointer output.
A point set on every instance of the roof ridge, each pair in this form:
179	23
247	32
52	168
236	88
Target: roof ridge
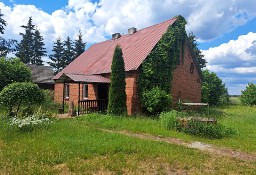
154	25
137	31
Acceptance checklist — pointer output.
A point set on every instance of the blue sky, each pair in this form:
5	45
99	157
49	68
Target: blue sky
226	31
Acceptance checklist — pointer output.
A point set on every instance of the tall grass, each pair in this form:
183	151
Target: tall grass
242	119
73	147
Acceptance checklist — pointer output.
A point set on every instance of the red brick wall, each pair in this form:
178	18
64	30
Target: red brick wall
132	100
73	92
185	85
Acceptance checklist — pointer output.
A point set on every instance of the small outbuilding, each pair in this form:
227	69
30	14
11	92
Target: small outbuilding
42	76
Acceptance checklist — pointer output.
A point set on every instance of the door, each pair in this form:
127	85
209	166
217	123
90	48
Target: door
103	91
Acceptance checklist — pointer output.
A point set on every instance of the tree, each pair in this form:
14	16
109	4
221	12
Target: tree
79	45
25	49
195	52
117	95
6	46
57	60
248	96
214	91
68	54
13	70
39	50
16	94
3	23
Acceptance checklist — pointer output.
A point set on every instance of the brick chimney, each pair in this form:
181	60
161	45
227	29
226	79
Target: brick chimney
116	35
132	30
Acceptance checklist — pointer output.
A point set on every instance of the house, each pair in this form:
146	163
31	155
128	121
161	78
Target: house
42	76
85	81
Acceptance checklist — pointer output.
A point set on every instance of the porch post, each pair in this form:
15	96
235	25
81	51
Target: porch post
63	98
78	99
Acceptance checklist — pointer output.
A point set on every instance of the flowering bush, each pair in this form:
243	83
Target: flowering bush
29	123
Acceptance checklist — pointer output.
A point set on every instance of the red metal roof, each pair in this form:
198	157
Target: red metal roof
136	47
65	77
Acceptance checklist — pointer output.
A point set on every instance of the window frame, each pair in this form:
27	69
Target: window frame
66	91
85	91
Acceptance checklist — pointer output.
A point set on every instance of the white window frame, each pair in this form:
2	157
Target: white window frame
85	91
67	90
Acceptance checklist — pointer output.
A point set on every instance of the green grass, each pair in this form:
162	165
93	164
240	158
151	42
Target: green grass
240	118
234	100
78	146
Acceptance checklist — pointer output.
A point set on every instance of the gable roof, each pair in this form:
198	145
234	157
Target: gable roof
41	74
135	47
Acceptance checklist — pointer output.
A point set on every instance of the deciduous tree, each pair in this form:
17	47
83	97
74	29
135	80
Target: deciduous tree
13	70
248	96
214	91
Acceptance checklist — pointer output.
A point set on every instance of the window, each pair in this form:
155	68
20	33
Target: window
85	91
66	90
192	67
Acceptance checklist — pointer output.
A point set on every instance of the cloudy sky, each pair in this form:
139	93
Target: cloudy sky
226	30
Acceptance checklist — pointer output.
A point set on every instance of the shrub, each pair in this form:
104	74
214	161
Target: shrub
17	94
31	122
169	119
13	70
117	95
248	96
156	101
212	131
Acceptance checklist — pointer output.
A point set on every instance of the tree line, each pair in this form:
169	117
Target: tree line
31	49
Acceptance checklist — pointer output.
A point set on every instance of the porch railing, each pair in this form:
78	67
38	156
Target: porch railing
89	106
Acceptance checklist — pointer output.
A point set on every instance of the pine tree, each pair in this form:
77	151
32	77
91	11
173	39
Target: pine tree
6	46
39	50
79	45
117	95
3	23
57	61
69	54
25	49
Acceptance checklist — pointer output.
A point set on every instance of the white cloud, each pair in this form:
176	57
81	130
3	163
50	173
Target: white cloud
98	20
235	61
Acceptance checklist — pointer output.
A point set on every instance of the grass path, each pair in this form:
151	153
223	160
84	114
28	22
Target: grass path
196	145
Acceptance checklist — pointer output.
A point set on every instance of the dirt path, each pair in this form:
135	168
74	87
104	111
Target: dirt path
196	145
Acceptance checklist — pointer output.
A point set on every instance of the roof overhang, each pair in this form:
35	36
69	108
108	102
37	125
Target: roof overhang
80	78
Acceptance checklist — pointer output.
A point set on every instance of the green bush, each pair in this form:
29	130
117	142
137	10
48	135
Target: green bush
168	119
248	96
212	131
16	95
13	70
156	101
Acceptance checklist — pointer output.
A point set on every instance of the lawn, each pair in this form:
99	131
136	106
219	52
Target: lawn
79	146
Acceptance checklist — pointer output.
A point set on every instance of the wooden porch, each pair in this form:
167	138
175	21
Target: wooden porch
89	106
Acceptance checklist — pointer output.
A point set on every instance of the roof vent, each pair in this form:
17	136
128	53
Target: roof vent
116	35
132	30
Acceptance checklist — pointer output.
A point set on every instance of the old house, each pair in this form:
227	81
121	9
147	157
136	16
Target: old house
86	79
